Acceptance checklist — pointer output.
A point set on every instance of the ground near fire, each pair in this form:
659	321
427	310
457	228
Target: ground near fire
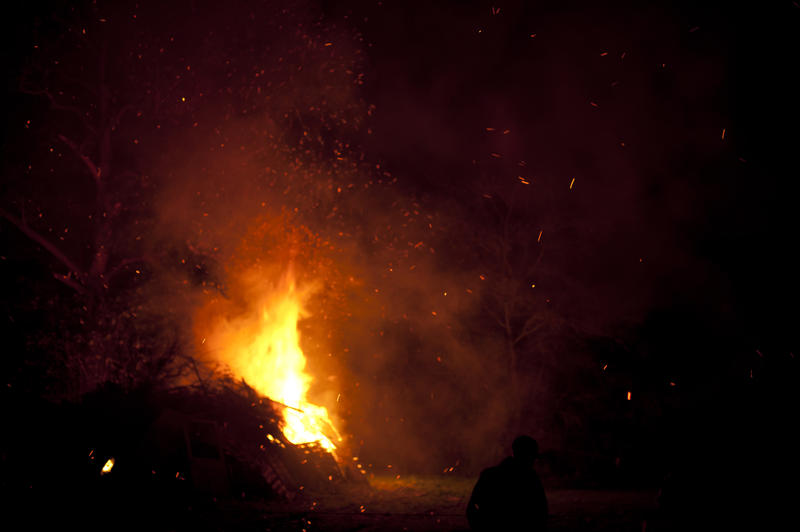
314	265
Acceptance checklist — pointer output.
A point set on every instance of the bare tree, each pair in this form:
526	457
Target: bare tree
71	73
93	107
511	227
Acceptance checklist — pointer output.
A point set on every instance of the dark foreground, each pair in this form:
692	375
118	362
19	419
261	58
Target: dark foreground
425	503
386	504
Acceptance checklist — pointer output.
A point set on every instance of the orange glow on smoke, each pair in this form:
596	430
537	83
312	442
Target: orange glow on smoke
262	346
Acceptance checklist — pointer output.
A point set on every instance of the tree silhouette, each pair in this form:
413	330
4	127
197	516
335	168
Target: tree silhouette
115	100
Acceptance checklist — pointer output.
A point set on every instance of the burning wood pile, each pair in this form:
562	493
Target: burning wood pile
229	442
252	338
143	454
261	345
241	426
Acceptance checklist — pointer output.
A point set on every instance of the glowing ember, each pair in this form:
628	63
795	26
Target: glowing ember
264	349
109	465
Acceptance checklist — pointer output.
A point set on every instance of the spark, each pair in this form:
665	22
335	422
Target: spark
109	465
723	133
629	395
540	236
571	183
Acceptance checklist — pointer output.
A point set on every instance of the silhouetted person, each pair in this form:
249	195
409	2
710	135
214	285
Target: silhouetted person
510	496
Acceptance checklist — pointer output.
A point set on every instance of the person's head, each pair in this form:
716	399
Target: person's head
525	449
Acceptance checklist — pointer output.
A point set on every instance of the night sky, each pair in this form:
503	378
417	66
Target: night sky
648	151
709	216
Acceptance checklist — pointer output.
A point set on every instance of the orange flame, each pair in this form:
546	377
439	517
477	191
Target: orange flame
263	348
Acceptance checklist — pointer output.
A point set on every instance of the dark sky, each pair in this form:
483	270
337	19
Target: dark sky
711	217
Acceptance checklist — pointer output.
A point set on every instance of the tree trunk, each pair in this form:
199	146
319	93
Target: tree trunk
104	210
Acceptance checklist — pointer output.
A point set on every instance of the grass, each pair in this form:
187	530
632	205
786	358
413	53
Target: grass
431	503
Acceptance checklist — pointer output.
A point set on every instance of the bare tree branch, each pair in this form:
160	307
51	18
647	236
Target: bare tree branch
55	104
529	328
46	244
496	317
94	170
69	281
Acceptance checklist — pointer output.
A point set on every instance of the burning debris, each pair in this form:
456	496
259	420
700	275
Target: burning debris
108	466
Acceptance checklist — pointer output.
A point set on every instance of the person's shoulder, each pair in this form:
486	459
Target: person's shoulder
488	472
500	470
494	470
